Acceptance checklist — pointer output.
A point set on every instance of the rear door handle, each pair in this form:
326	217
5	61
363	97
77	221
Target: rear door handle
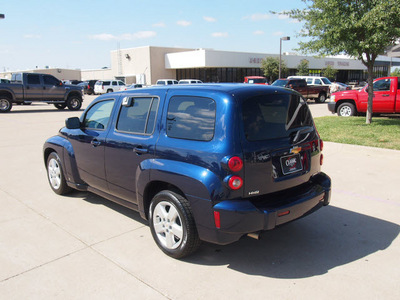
140	151
95	143
385	95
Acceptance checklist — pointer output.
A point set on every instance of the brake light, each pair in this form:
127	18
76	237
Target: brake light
235	182
321	159
321	144
235	164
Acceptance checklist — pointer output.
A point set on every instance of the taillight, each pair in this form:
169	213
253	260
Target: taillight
235	164
321	159
235	182
321	144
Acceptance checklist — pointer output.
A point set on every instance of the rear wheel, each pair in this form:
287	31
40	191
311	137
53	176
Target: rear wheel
172	224
56	175
346	110
321	98
74	102
5	104
110	91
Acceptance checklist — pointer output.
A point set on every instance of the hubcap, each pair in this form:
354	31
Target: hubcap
74	103
54	172
4	104
345	111
168	225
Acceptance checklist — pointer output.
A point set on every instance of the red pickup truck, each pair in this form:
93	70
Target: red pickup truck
386	99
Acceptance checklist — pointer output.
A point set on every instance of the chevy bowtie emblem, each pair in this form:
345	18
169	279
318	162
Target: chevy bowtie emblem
295	150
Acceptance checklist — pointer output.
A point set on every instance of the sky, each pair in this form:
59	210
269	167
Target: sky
81	34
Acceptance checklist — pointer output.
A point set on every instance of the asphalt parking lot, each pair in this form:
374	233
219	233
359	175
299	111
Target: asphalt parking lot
85	247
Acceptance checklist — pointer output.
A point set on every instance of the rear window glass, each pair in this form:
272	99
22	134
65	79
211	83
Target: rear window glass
274	116
138	116
191	118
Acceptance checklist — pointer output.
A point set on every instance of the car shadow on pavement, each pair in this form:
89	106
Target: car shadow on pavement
98	200
312	246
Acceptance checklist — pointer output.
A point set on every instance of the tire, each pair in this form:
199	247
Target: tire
55	175
110	91
172	224
74	102
5	104
60	106
321	98
346	110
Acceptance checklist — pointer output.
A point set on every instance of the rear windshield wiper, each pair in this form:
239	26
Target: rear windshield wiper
302	131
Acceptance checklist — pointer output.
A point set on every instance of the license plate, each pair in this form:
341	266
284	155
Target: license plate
291	164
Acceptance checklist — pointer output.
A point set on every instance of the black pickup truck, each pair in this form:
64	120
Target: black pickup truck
26	88
317	92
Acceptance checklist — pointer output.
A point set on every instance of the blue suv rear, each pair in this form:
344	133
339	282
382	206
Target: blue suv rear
200	162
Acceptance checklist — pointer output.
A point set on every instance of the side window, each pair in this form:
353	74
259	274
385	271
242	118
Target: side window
121	83
138	115
50	80
98	115
106	82
309	81
16	77
191	118
33	79
318	81
114	83
382	85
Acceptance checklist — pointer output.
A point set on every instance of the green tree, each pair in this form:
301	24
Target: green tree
303	68
329	72
395	73
270	67
359	28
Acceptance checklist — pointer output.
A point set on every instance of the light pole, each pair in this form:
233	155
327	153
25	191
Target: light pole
285	38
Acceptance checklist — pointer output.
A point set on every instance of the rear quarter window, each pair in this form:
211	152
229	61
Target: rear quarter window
191	118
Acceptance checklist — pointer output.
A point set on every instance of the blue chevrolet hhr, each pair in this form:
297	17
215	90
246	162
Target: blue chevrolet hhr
209	162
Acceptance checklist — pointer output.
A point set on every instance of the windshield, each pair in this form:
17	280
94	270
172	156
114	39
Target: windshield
274	116
280	82
326	80
257	80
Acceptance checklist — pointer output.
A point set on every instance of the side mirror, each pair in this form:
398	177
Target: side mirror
73	123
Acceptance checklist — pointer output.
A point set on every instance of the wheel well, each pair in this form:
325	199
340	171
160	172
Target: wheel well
344	101
152	189
47	153
75	94
6	94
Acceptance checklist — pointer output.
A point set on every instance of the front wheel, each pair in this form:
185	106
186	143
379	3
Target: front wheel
346	110
5	104
74	102
172	224
56	175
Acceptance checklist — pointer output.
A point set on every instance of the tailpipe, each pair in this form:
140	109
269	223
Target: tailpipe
254	235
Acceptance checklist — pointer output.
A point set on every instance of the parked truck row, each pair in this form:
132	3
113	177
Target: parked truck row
25	88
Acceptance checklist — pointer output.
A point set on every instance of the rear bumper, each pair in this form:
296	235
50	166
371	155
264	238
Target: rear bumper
242	216
332	107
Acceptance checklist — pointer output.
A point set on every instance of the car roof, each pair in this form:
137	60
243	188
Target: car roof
228	88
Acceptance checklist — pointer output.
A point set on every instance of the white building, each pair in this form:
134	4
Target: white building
148	64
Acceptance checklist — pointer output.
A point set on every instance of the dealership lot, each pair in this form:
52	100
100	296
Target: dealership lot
83	246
